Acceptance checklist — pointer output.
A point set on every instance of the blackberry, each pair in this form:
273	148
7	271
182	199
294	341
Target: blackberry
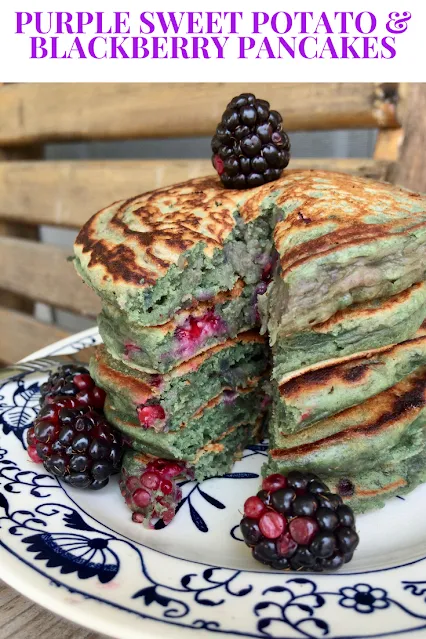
70	435
74	383
295	523
153	493
249	146
77	445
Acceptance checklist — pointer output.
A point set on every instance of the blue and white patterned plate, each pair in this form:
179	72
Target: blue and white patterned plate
80	555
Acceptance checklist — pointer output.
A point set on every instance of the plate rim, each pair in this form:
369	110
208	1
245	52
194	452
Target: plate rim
60	344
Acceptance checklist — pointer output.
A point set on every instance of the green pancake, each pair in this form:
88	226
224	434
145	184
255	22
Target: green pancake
213	460
209	424
372	489
356	330
234	365
190	332
341	240
158	252
323	392
386	429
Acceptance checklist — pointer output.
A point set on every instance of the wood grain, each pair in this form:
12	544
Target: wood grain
42	112
410	170
20	335
22	619
44	273
10	299
68	193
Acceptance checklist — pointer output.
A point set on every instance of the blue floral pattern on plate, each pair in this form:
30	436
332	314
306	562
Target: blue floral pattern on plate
47	535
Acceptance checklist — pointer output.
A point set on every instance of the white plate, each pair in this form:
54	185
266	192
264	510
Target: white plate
79	554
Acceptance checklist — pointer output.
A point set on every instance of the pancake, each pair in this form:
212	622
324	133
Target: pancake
323	392
386	429
370	490
190	332
341	240
155	253
353	331
210	423
236	364
212	460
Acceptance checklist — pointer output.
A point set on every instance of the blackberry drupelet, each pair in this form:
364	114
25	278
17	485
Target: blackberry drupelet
249	146
295	523
75	444
72	382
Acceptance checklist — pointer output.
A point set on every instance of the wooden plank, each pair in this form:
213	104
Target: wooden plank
80	111
43	273
9	298
388	144
20	618
68	193
21	335
410	170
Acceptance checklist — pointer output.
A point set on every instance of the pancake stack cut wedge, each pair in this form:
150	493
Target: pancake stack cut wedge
196	404
158	253
178	271
329	268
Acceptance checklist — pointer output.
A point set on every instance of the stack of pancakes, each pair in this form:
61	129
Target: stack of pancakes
184	276
346	318
177	271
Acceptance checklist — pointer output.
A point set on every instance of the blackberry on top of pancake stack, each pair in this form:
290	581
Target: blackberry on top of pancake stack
249	146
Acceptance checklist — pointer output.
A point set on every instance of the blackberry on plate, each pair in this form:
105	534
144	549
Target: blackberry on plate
153	493
77	445
75	383
70	435
249	146
295	523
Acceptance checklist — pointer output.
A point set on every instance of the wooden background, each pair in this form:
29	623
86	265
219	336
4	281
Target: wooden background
22	619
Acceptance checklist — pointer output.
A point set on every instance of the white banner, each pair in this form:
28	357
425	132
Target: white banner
238	41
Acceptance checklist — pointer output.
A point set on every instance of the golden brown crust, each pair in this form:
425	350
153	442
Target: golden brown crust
136	387
375	492
137	240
